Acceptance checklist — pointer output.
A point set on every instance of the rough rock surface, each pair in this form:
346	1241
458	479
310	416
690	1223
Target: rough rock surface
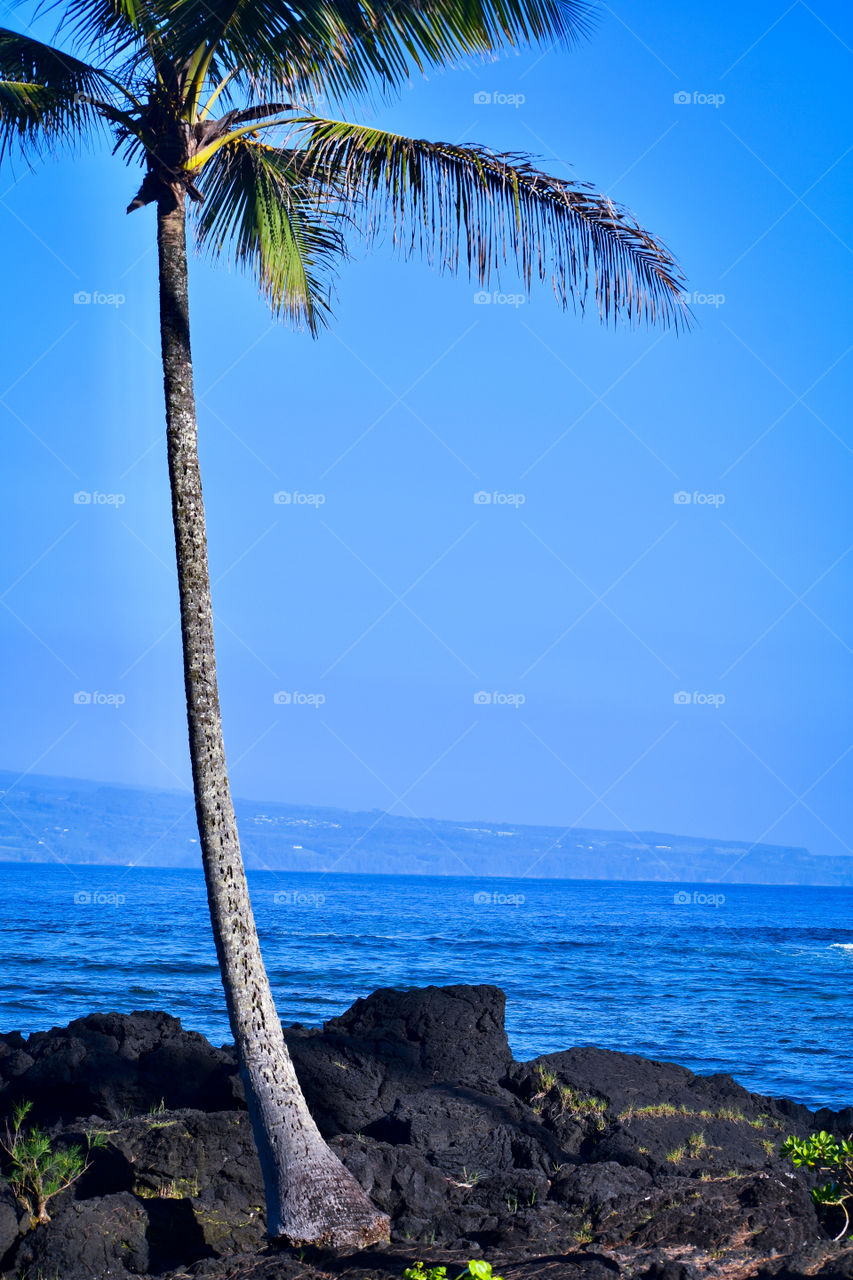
586	1164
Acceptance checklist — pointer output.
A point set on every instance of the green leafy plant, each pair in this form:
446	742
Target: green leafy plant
477	1269
419	1272
38	1171
824	1154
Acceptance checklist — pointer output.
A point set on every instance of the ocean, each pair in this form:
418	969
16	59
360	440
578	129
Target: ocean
750	980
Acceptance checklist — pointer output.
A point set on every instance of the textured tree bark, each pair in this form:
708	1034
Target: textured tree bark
311	1197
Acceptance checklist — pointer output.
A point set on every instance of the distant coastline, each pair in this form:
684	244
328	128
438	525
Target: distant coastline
77	821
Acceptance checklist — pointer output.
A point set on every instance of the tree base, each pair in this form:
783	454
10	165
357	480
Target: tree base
324	1206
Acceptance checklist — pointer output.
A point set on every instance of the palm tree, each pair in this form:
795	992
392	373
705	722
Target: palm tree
215	100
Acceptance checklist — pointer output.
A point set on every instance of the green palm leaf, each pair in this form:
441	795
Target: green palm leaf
47	98
109	25
346	46
469	206
262	207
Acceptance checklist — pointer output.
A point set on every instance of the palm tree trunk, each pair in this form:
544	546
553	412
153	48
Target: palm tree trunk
311	1198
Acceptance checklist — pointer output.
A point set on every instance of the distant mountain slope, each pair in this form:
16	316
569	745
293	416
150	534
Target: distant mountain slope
44	819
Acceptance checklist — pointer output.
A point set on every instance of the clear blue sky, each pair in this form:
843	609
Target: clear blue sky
598	599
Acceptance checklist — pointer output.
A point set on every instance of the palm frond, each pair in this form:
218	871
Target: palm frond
341	47
47	98
276	221
109	25
467	206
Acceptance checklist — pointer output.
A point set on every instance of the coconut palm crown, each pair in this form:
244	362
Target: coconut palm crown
214	99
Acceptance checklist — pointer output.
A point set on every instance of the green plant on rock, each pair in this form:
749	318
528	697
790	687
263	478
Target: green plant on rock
585	1233
38	1171
824	1154
477	1269
569	1100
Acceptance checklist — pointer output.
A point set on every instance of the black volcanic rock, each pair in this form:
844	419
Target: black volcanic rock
585	1164
114	1064
395	1043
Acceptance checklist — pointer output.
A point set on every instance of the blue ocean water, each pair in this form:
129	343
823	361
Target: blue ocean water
755	981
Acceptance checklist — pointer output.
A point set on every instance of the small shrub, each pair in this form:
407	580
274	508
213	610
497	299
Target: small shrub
825	1155
545	1079
477	1269
97	1138
417	1271
584	1233
38	1172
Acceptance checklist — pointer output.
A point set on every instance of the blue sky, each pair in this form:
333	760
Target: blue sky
399	598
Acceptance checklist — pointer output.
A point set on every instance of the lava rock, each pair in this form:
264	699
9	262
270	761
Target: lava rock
113	1064
584	1165
397	1042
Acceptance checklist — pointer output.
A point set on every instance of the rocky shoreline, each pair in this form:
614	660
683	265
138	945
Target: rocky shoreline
587	1164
